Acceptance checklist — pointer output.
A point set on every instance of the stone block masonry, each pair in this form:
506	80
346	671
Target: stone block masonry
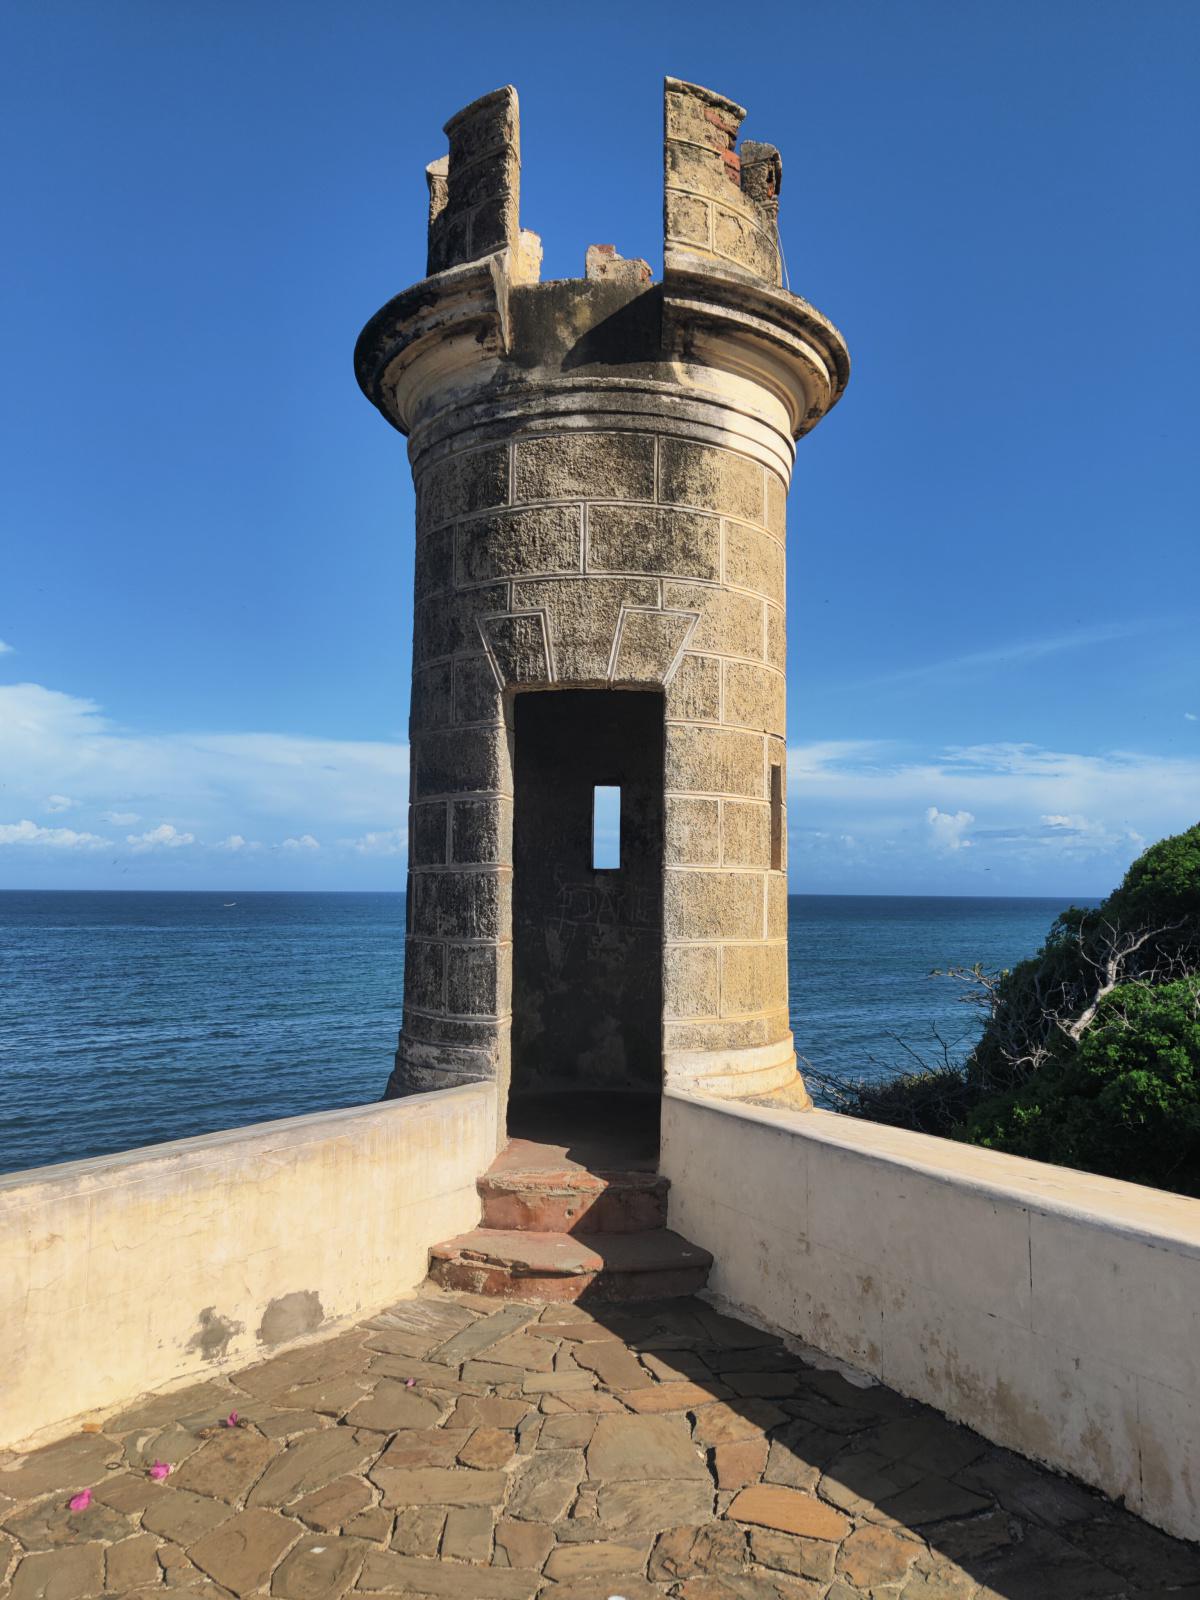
601	468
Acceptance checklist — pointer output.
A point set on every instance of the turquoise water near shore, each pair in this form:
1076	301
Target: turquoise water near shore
130	1018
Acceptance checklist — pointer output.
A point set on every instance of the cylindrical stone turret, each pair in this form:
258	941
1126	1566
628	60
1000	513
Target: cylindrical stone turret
601	467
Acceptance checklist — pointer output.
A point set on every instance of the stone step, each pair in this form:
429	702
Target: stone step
515	1265
567	1199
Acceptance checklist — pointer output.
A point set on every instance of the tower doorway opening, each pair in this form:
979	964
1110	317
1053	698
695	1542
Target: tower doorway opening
587	912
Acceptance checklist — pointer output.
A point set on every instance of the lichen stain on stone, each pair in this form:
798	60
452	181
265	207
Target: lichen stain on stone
213	1334
290	1316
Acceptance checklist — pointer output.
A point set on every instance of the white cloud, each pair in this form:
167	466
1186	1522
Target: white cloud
164	837
1088	833
1039	817
390	842
259	785
1189	716
26	832
58	802
6	649
948	828
1042	819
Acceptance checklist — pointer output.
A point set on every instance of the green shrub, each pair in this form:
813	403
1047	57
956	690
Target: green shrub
1090	1056
1124	1102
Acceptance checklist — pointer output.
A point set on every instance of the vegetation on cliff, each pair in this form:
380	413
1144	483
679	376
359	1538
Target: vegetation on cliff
1090	1052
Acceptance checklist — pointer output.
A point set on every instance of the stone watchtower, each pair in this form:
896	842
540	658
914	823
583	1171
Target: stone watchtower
601	467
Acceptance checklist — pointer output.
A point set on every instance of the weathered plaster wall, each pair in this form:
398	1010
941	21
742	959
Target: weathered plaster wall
1056	1312
131	1272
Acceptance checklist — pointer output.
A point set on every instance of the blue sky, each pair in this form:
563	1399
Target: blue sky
205	579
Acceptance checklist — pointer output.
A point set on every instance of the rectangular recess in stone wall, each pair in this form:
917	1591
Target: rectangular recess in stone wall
478	979
571	466
776	816
753	976
692	980
699	170
678	544
424	966
428	841
715	761
753	697
730	624
753	560
739	240
455	761
776	637
688	219
449	625
713	905
431	697
776	506
434	562
710	479
693	831
462	905
476	693
520	543
745	834
462	484
481	831
694	693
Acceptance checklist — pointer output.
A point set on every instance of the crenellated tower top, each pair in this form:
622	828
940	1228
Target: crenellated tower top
601	467
721	285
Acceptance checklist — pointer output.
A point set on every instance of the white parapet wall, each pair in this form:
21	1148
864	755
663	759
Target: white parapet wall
1056	1312
136	1271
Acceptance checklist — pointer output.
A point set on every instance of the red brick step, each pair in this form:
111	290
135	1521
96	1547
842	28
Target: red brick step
567	1199
522	1265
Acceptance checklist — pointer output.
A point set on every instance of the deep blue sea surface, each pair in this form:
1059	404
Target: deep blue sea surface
126	1019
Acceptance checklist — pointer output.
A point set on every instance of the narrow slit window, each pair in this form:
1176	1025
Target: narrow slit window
606	828
776	817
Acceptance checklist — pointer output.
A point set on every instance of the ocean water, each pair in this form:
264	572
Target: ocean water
127	1019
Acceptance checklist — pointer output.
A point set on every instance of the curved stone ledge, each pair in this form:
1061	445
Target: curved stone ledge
740	1074
702	405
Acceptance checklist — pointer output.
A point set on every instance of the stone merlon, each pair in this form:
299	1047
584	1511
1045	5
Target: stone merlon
482	310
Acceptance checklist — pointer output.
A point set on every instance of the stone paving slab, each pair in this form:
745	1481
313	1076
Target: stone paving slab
649	1452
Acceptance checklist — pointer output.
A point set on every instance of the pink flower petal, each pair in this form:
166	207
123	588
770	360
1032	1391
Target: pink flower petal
410	1383
160	1470
231	1421
81	1501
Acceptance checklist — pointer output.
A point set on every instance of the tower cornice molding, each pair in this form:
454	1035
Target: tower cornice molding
449	338
751	330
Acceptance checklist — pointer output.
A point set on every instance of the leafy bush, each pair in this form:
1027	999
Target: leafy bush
1090	1055
1125	1102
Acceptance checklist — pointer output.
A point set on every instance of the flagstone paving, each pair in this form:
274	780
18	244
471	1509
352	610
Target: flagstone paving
458	1447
